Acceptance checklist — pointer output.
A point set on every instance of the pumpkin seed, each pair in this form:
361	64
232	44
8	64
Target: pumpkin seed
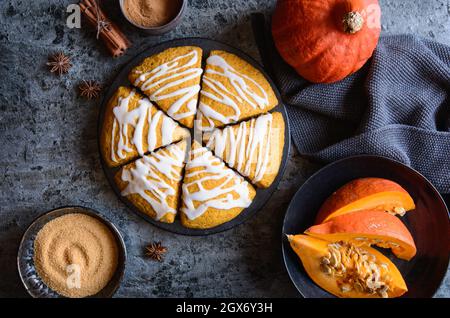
326	269
346	288
325	260
358	286
383	292
334	259
394	244
400	211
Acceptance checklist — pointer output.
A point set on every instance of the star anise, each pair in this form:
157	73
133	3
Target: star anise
156	251
59	63
89	89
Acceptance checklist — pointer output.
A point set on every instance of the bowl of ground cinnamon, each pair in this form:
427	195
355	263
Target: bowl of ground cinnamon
71	252
153	16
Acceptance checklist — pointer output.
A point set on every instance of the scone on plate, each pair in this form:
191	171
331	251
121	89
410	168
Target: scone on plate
254	147
133	126
171	79
232	90
152	183
212	193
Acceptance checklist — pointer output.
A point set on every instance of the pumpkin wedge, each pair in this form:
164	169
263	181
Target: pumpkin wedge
366	193
367	227
348	271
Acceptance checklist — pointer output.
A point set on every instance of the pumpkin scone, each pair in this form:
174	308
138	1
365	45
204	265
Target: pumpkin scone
212	193
171	79
232	90
254	147
133	126
152	183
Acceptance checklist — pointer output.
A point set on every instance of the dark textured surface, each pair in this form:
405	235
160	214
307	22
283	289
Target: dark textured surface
49	151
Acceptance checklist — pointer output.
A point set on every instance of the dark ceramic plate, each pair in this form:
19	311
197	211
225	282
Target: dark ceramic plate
27	272
429	222
262	195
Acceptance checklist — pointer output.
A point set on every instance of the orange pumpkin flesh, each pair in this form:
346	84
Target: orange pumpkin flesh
366	194
312	251
363	228
326	40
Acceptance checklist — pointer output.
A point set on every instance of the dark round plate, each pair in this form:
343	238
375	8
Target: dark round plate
25	263
262	195
429	222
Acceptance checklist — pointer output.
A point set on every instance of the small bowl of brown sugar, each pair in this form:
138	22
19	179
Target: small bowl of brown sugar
155	17
71	252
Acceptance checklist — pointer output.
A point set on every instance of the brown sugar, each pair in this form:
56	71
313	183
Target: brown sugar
75	255
151	13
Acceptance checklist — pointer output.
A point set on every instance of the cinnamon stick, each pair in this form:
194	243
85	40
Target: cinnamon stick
115	41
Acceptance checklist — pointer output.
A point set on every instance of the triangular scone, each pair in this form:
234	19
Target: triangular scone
254	147
171	79
212	193
133	126
152	183
232	90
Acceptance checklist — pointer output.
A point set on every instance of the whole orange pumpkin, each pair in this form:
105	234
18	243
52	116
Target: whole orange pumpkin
326	40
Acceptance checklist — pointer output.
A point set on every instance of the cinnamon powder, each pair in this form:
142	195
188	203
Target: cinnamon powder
151	13
75	255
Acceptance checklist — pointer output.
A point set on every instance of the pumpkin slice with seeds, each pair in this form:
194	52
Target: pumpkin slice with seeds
348	271
363	194
366	228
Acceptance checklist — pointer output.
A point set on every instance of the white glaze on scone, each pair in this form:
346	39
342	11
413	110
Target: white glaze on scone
137	118
220	93
145	177
152	79
212	168
246	146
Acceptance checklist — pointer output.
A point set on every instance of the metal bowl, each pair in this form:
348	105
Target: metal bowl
158	30
25	262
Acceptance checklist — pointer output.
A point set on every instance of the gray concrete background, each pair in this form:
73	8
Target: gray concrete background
49	154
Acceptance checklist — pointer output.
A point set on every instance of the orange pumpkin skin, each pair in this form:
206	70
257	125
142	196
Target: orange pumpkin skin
363	228
310	36
310	250
366	194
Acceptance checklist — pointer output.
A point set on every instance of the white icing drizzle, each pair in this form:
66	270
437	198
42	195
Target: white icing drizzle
212	169
222	95
154	79
123	118
245	146
146	178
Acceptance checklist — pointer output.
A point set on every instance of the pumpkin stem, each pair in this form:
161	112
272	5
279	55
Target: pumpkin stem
352	22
